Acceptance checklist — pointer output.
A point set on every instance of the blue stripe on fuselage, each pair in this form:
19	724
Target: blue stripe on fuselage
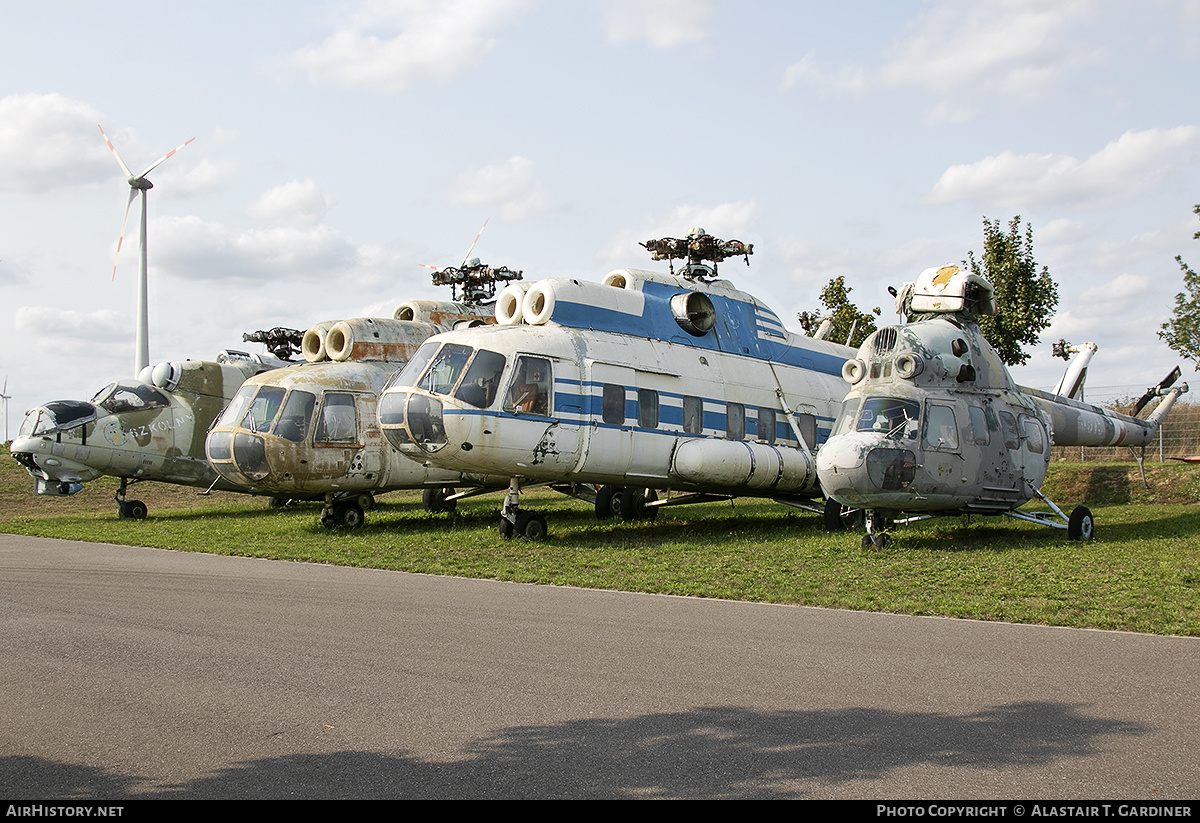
736	331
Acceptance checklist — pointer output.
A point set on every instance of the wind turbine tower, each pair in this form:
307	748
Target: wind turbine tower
139	183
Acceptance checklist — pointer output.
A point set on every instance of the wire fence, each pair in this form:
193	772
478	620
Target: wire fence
1179	436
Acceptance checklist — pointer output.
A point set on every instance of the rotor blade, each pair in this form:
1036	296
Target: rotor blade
1151	393
427	266
124	168
1170	379
473	242
125	220
154	165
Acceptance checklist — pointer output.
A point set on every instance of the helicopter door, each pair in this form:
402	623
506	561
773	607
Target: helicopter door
610	419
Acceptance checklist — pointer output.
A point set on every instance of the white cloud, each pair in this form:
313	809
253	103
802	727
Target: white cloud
664	23
511	186
1126	167
49	141
194	249
72	325
962	52
421	40
298	203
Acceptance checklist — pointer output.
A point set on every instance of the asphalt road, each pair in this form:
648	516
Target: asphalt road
128	672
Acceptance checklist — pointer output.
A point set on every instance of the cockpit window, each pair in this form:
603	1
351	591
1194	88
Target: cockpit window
416	367
482	379
124	397
295	417
262	411
530	388
444	371
890	415
237	406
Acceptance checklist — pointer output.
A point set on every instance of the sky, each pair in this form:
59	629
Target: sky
341	145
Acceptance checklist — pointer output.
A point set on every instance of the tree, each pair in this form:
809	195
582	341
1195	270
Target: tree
835	297
1025	299
1182	331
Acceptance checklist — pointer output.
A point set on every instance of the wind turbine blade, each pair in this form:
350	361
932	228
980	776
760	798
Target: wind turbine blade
155	164
113	148
124	221
473	242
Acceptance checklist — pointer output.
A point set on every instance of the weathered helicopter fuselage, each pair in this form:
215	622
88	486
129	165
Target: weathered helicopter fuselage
134	429
934	422
311	430
645	380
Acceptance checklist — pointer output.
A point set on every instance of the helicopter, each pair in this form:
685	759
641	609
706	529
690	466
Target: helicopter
149	428
935	425
644	383
267	442
309	431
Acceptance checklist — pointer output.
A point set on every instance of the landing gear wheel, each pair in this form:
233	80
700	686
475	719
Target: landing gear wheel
531	525
350	515
1081	526
132	510
839	518
327	518
506	528
276	502
435	501
633	503
366	501
608	502
881	542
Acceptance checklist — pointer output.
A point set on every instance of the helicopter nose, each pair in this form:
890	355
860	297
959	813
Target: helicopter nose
409	418
238	456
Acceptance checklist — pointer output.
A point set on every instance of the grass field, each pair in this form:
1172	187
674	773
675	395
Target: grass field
1141	573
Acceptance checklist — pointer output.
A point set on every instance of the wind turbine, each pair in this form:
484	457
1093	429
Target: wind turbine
4	395
138	183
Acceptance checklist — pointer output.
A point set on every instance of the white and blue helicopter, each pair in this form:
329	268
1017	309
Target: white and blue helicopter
644	384
311	431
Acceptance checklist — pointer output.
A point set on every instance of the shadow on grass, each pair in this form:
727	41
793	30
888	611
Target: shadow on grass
708	752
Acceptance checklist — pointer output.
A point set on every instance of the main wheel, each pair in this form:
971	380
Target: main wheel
506	528
608	502
367	501
633	503
133	510
1081	526
837	517
435	501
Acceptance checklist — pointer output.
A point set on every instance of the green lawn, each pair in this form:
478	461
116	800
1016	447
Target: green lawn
1141	573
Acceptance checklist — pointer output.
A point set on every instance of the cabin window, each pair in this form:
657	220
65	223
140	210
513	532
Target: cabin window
1012	440
847	418
530	391
693	415
766	425
295	417
1033	434
979	427
647	409
262	411
482	380
807	424
612	409
941	430
889	415
337	423
735	421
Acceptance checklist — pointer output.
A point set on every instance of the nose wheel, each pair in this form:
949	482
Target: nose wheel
516	523
875	538
129	509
